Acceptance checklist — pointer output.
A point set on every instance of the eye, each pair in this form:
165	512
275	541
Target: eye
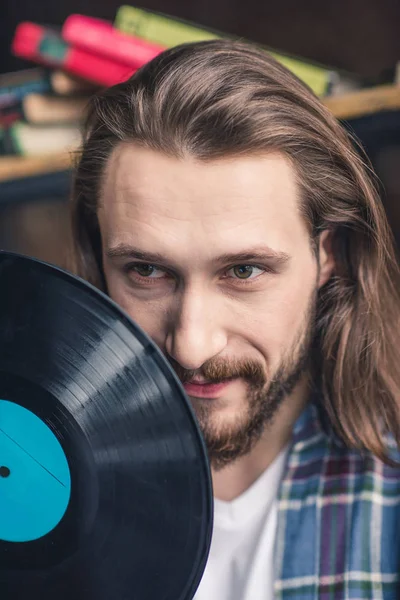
244	272
147	271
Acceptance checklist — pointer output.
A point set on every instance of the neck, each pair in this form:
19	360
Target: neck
233	480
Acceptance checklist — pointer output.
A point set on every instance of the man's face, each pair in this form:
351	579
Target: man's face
214	262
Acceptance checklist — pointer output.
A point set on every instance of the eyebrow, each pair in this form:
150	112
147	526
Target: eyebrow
261	253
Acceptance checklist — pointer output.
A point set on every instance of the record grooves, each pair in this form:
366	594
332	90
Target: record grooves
105	488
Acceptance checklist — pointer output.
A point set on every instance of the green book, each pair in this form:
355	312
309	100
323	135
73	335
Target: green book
160	29
170	31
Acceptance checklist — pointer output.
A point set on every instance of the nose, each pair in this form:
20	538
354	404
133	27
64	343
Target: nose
195	333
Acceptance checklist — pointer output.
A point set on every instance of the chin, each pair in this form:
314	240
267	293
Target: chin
219	409
219	416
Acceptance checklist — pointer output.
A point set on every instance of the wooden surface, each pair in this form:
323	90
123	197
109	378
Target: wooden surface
13	167
364	102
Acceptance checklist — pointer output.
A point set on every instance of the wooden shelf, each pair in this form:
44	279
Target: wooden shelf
365	101
345	107
16	167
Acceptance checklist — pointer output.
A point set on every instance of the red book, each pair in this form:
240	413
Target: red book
46	47
7	118
101	38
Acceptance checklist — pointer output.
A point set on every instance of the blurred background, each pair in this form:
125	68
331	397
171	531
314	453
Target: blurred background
53	55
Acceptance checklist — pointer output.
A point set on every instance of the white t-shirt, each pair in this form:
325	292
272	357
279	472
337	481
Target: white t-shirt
241	560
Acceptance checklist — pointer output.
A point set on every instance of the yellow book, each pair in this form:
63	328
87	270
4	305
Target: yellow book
170	31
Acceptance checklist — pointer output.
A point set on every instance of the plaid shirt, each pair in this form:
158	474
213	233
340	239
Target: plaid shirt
339	520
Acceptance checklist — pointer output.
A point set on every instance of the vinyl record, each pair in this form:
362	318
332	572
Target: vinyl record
105	488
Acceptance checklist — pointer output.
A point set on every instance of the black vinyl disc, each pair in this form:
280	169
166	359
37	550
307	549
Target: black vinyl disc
105	487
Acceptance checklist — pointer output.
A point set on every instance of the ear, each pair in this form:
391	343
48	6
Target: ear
326	258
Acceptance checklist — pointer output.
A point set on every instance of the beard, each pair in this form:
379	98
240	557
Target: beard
264	394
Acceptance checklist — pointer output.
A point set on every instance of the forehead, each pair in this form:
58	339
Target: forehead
232	200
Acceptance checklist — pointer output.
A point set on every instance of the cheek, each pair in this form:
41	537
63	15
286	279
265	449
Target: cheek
274	322
292	314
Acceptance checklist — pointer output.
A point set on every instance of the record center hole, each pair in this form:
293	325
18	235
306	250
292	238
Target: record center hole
5	472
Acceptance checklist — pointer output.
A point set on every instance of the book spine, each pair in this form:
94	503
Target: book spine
101	38
160	29
65	84
97	69
25	139
168	31
43	46
10	114
44	109
15	93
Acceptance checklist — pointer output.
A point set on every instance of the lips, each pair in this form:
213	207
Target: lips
206	390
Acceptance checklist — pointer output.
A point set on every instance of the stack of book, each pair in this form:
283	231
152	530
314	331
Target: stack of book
40	111
42	108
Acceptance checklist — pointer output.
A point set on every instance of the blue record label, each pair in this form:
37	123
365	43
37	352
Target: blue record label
35	482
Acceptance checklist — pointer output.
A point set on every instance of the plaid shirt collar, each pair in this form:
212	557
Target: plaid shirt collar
339	519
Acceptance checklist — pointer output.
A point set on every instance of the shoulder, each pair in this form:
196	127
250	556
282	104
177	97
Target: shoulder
369	474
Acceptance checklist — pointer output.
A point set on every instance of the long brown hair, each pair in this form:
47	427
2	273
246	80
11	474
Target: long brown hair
219	98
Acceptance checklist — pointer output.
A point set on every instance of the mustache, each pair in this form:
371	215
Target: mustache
218	370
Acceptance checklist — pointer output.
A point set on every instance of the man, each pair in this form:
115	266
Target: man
224	208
